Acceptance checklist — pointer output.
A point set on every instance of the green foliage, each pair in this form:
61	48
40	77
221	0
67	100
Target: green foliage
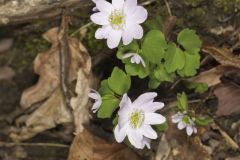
136	70
174	58
132	47
189	40
203	121
192	63
115	121
162	75
163	59
154	46
161	127
119	82
109	105
104	88
156	23
133	69
182	102
198	87
153	83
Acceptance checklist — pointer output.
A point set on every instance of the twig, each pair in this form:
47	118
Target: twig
169	25
228	139
64	55
175	84
82	28
11	144
168	7
148	2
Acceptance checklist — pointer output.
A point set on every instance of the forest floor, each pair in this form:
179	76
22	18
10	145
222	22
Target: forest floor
217	23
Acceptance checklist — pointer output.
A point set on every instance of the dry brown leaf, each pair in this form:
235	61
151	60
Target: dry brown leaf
79	103
223	55
212	76
164	149
228	99
89	147
51	113
46	65
6	73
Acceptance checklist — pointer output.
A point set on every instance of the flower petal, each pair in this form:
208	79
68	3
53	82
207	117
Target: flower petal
137	59
144	98
140	14
93	95
102	33
154	118
104	6
152	106
177	117
126	101
148	132
135	138
130	6
127	55
127	37
146	141
96	106
120	134
195	130
181	125
125	108
144	65
100	18
118	4
114	38
189	130
137	32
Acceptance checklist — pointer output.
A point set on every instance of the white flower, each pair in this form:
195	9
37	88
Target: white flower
135	58
120	20
135	119
184	121
95	8
98	100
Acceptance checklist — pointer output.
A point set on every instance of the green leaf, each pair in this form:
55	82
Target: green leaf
182	102
119	82
198	87
192	63
162	75
189	40
203	121
174	58
153	83
161	127
133	47
156	23
104	88
115	120
154	46
136	70
109	105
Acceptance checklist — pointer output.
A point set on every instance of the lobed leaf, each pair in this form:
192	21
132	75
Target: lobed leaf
154	46
119	82
189	40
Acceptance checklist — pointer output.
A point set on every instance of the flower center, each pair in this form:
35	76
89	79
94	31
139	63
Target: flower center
117	19
137	118
186	120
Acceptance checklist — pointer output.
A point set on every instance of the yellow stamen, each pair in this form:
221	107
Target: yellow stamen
116	19
136	119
